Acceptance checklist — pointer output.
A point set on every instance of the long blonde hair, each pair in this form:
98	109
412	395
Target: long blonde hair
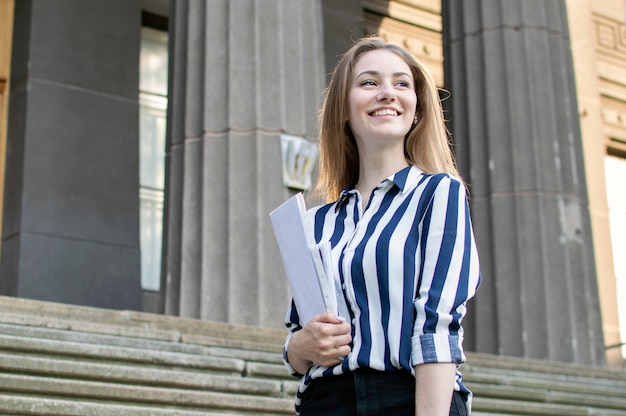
426	146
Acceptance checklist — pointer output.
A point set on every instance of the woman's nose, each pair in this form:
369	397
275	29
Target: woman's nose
386	93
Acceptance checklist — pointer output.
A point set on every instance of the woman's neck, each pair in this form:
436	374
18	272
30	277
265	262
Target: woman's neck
374	168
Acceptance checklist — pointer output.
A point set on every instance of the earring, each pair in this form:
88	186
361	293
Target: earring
415	121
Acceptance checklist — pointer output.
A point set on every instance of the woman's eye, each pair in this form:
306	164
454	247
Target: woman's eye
403	84
368	82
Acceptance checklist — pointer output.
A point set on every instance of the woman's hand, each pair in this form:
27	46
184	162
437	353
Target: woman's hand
325	340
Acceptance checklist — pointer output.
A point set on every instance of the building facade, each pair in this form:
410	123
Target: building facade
143	148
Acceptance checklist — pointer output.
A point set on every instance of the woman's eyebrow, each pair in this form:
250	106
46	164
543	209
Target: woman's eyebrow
372	72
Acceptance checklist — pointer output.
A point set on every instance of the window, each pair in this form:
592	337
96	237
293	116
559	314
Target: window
615	168
152	129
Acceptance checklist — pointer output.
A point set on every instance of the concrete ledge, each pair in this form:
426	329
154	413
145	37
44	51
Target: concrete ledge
38	406
121	374
17	329
475	413
541	394
267	399
523	408
139	325
490	364
121	354
546	383
21	330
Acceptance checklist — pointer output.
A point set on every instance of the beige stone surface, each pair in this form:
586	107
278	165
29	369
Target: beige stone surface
6	23
598	38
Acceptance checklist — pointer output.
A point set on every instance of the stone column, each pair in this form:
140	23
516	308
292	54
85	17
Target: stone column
514	120
242	73
71	204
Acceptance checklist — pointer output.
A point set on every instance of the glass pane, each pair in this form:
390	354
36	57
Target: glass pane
151	223
153	62
152	125
152	130
615	172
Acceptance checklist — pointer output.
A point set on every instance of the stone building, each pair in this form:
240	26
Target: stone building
140	146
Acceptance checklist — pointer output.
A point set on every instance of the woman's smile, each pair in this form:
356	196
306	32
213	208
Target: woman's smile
384	112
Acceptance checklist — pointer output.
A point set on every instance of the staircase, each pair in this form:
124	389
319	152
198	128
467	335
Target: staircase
514	387
66	360
60	359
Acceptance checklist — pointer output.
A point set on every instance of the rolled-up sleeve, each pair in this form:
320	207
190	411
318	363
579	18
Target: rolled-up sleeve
448	276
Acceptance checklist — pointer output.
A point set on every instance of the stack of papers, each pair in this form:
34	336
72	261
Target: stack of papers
307	264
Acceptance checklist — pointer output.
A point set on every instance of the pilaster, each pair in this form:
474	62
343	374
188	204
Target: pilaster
514	119
243	73
71	205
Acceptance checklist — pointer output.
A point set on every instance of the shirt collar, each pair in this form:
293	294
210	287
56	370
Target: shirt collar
404	179
344	197
401	178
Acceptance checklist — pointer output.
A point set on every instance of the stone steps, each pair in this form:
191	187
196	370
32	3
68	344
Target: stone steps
513	386
54	362
36	406
66	360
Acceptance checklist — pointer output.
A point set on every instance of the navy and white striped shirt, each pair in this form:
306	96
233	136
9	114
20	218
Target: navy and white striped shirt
404	270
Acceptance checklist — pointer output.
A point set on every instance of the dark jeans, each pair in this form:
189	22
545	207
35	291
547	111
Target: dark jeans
367	393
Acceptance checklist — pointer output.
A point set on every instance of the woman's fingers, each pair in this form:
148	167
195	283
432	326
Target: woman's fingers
330	339
328	317
342	340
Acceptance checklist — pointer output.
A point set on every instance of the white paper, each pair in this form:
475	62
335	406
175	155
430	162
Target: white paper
327	261
311	287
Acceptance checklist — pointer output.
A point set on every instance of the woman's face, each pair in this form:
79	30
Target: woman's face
382	99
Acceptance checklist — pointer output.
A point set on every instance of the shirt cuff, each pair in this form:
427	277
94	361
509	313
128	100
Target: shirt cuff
293	372
437	348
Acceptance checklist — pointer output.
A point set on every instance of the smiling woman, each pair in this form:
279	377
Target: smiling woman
404	260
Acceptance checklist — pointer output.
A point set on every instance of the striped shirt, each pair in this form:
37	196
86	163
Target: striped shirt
404	269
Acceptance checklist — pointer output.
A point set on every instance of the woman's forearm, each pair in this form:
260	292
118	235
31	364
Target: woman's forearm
297	362
434	384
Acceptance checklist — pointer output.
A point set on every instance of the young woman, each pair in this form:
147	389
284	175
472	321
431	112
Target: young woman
404	255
